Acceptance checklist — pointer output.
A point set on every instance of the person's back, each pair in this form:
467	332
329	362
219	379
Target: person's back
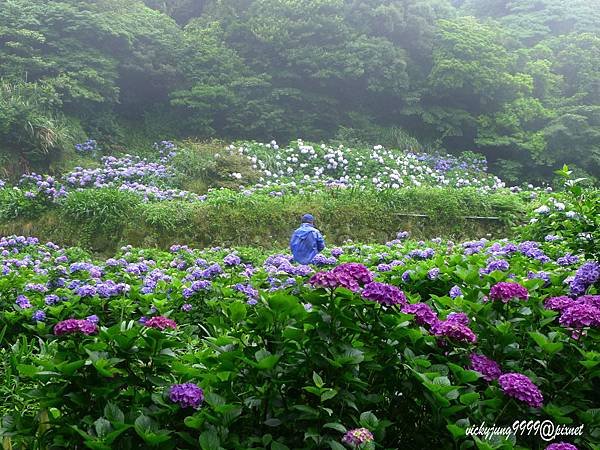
306	241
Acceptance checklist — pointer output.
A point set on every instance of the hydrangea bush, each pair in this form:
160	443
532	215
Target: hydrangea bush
234	348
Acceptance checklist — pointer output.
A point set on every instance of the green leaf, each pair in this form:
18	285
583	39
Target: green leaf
237	311
209	440
469	398
318	380
328	394
369	420
272	422
113	413
102	427
334	445
269	362
455	430
336	426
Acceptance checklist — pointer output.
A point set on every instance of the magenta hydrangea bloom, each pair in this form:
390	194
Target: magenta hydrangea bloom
506	291
580	315
455	331
160	323
559	303
357	436
385	294
488	368
360	273
325	280
71	326
522	388
592	300
186	395
424	315
348	275
458	318
561	446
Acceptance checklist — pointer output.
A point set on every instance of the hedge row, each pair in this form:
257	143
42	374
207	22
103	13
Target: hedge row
103	219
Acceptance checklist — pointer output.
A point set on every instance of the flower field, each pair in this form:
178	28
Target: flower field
403	344
398	345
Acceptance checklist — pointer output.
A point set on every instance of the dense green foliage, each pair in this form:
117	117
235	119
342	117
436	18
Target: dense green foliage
285	363
103	219
514	79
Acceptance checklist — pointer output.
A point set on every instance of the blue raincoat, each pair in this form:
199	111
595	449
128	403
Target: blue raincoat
306	242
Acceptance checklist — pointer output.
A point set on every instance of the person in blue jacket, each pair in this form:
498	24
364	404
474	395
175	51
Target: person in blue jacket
306	241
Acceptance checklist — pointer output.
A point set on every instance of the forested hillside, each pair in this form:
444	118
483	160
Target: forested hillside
516	80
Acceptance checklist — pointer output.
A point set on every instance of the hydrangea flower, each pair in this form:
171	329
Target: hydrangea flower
454	330
160	323
580	315
23	302
357	437
71	326
357	271
325	280
384	294
336	252
455	292
506	291
186	307
488	368
232	260
186	395
39	316
499	265
424	315
433	274
561	446
586	275
522	388
249	291
567	260
558	303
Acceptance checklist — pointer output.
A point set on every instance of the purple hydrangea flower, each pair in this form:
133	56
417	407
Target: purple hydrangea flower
337	252
455	292
71	326
39	316
586	275
458	318
357	437
489	369
580	315
522	388
499	265
93	318
561	446
424	315
454	330
160	323
567	260
186	395
249	291
232	260
23	302
325	280
384	294
433	274
186	307
383	267
559	303
506	291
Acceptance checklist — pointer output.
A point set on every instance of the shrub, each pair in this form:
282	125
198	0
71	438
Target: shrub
104	211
